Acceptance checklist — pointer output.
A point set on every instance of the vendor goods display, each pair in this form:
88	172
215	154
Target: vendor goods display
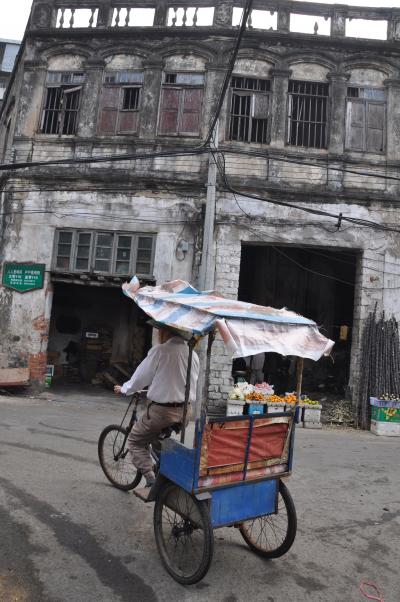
385	415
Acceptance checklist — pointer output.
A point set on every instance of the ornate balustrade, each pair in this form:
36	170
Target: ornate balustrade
283	16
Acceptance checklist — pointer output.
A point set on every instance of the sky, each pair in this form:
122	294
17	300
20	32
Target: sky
14	14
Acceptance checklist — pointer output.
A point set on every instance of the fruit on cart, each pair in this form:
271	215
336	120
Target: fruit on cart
306	401
276	399
256	396
291	398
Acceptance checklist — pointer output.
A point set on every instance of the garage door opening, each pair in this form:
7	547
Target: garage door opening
316	283
97	335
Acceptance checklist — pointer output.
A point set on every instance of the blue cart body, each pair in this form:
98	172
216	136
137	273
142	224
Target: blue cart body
236	464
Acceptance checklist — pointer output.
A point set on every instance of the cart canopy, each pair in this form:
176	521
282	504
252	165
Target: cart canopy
246	329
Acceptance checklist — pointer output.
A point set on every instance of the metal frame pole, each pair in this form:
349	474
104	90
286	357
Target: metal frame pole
191	344
299	376
203	411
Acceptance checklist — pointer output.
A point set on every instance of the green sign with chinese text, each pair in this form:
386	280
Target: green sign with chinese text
23	277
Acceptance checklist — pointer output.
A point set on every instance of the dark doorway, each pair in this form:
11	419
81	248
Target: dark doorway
316	283
97	335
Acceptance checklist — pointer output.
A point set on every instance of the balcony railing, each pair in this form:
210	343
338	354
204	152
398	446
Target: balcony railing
281	16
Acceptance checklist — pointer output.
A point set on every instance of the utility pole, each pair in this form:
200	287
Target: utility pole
207	265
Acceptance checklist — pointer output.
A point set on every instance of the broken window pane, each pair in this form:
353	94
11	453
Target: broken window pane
249	110
61	104
308	114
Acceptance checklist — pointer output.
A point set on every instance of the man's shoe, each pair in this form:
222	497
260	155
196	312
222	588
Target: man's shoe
150	478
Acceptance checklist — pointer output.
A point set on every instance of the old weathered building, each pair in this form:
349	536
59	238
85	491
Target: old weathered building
308	136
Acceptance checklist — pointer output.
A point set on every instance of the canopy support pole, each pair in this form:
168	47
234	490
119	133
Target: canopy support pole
299	376
203	412
191	344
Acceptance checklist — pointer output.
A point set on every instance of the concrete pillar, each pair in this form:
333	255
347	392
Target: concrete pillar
223	12
43	15
105	14
392	129
90	99
30	99
283	22
151	98
338	23
337	132
279	106
161	14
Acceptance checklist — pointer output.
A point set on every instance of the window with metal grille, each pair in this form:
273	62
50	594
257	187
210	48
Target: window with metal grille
366	119
308	114
120	103
61	103
109	253
181	104
249	109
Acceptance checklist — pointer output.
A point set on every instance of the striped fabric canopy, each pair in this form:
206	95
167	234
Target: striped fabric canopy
246	329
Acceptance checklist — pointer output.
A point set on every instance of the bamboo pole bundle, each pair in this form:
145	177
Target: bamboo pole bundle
379	364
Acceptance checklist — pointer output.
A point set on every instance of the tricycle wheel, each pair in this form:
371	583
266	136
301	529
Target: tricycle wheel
115	458
272	535
183	533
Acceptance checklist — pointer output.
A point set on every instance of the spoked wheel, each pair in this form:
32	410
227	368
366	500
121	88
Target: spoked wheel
272	535
115	459
183	534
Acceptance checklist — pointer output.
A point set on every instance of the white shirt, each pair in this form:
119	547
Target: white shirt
164	372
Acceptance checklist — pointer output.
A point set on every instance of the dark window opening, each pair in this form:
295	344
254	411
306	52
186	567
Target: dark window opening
130	99
61	103
249	110
317	283
308	114
60	111
366	119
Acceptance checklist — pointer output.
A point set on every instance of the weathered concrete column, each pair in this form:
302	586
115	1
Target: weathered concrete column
392	129
223	12
283	22
161	14
44	15
337	133
30	99
279	106
150	100
105	14
90	99
338	23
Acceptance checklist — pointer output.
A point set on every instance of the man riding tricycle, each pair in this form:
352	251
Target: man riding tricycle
232	473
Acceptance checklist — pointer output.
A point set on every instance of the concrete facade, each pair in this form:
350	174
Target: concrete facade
166	195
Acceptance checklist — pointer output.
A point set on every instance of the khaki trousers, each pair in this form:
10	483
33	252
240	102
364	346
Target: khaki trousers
146	431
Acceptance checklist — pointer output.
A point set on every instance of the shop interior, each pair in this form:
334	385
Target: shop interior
316	283
97	336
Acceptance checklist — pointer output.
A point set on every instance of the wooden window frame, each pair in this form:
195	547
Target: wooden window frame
182	88
366	103
135	237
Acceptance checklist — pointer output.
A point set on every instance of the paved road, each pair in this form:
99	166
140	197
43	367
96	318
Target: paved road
66	535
